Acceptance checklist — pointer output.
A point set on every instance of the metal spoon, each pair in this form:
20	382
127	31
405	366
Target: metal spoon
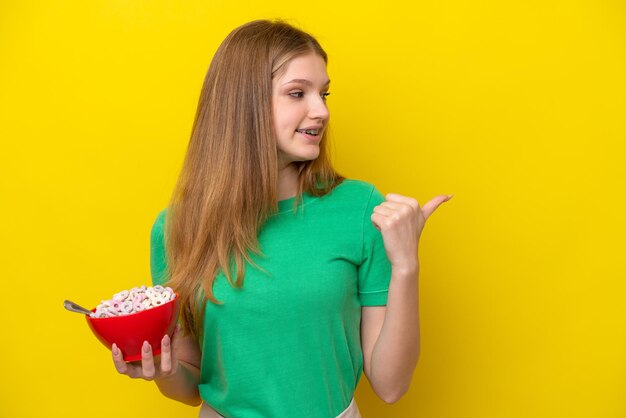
73	307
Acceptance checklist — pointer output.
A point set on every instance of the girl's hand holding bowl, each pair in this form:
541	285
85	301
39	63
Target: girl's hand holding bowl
147	369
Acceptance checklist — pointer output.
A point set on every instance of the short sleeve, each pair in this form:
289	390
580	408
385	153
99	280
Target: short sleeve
374	272
158	259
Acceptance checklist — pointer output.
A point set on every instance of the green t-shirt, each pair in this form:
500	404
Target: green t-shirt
291	341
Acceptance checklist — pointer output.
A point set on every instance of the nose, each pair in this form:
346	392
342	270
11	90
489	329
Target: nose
318	109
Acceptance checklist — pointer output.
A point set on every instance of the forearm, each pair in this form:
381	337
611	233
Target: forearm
397	348
182	385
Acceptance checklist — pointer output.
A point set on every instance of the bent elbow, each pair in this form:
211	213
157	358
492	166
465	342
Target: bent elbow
191	399
193	402
392	396
391	388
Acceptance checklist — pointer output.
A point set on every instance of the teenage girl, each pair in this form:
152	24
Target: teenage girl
293	279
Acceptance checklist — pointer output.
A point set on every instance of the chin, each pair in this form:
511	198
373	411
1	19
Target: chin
301	157
309	158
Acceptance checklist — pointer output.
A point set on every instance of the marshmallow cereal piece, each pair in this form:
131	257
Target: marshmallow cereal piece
126	307
157	299
121	296
111	312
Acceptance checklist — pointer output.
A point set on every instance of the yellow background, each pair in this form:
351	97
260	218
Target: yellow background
516	107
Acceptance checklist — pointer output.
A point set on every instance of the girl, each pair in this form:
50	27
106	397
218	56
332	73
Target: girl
293	280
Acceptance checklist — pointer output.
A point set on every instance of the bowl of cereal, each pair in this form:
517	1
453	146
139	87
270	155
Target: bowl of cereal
134	316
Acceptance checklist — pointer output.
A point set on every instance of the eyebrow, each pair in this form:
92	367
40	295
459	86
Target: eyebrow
303	81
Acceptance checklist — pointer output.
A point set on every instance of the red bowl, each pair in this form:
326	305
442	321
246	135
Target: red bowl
130	331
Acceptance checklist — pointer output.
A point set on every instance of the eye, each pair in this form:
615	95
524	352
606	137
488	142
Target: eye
297	94
325	95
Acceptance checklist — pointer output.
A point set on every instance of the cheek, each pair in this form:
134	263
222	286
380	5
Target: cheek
285	118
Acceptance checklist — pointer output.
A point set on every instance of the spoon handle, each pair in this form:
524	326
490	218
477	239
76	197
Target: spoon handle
73	307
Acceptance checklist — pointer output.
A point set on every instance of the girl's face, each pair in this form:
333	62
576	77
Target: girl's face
299	108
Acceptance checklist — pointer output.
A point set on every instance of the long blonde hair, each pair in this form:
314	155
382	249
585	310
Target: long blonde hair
228	184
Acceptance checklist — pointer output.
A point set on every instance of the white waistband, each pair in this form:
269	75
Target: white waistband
351	411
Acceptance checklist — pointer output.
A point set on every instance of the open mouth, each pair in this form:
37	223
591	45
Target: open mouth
313	132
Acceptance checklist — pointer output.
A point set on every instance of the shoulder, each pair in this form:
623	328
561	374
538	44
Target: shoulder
359	193
158	257
353	188
159	224
351	201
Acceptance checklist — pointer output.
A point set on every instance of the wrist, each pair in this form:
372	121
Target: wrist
405	270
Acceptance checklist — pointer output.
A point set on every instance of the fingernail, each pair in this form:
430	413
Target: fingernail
146	347
114	349
166	341
450	196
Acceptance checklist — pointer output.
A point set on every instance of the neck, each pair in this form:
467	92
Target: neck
287	182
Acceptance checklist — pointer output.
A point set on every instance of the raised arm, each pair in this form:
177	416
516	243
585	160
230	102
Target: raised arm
390	336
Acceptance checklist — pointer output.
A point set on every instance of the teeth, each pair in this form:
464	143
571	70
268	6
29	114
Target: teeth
309	131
